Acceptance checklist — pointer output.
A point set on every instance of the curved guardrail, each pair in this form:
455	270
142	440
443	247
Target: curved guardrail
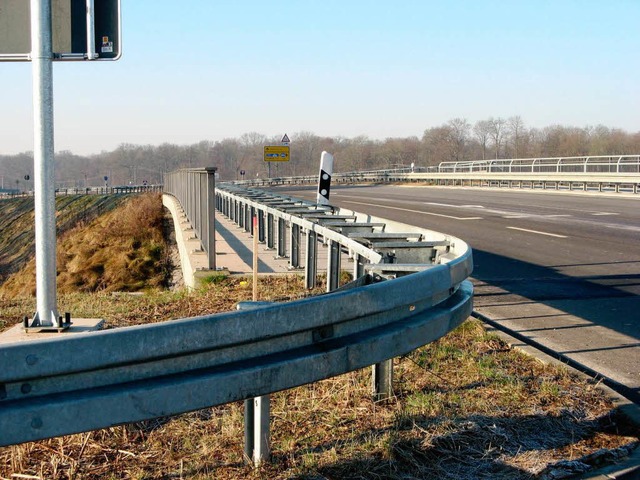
73	383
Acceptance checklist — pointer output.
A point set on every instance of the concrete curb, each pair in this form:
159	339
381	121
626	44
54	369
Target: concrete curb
192	258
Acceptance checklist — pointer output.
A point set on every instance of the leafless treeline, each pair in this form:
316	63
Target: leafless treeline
456	139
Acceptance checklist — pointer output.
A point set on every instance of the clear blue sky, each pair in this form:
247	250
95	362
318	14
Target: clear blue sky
205	70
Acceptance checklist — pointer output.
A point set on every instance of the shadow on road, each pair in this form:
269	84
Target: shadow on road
576	305
615	308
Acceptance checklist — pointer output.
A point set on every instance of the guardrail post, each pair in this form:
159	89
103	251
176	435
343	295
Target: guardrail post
358	266
311	267
261	444
294	260
382	380
282	240
249	420
333	266
252	215
261	234
257	446
247	218
269	231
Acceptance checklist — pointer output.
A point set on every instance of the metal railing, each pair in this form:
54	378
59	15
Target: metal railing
620	173
586	164
116	190
413	290
194	188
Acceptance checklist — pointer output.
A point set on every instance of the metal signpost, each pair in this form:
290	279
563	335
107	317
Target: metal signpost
59	30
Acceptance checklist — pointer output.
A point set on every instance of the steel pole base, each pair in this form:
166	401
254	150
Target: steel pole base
57	323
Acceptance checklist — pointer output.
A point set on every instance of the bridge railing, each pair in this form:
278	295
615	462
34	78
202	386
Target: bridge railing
413	290
619	173
194	188
584	164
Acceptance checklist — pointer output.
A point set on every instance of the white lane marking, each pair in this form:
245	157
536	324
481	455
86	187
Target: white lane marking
603	214
503	213
452	206
414	211
536	231
525	215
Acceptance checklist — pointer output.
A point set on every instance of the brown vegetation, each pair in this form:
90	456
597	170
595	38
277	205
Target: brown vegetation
17	232
123	250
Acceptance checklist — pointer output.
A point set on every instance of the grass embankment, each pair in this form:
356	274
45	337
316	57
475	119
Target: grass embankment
17	233
466	407
122	250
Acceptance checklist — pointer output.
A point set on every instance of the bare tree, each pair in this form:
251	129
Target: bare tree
515	126
496	133
459	135
482	130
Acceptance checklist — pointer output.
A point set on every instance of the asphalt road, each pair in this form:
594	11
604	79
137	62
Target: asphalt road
560	268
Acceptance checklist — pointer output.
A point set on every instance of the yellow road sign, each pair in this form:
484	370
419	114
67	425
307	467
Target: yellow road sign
276	153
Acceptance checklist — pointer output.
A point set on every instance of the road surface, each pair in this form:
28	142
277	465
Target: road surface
560	268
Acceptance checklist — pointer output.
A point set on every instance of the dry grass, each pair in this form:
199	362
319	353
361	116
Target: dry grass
17	233
466	407
123	250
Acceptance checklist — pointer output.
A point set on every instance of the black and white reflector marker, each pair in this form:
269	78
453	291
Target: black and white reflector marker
324	182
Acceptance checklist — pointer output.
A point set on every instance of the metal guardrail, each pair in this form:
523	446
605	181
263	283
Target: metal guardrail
115	190
194	188
74	383
616	173
585	164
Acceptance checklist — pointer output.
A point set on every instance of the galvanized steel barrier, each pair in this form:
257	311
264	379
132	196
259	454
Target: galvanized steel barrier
411	291
194	188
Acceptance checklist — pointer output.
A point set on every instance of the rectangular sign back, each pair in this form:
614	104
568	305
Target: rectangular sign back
69	23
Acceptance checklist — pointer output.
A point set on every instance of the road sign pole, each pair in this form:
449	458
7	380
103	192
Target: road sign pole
91	31
44	173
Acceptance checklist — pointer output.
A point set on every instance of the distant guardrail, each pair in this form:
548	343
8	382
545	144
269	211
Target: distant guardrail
115	190
585	164
413	290
618	173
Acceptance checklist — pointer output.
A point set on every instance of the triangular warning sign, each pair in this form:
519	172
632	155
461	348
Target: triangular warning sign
285	139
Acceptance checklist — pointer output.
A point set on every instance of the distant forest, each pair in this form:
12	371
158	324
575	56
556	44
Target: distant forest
456	139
